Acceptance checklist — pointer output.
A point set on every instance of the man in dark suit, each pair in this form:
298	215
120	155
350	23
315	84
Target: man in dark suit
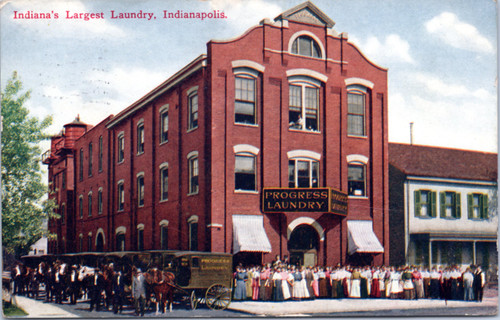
95	285
478	284
118	292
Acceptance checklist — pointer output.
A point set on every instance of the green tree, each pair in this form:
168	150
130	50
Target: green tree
23	206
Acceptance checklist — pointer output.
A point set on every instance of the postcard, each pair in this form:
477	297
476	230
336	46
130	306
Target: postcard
214	158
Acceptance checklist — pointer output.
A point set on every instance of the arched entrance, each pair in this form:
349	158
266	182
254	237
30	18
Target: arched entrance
303	245
99	246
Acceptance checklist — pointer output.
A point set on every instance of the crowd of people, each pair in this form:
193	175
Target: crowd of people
104	288
280	281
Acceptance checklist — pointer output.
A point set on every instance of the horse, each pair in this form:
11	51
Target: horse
163	286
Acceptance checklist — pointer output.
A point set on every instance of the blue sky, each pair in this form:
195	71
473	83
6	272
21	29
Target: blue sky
441	56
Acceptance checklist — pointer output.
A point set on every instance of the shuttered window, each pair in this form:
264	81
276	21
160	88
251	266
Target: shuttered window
477	206
450	205
425	203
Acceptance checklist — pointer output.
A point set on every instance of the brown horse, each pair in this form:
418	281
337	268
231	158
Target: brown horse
163	285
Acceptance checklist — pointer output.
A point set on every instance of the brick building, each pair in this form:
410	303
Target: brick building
271	143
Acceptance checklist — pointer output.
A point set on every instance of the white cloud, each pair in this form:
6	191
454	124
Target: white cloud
243	14
448	89
63	27
448	28
392	49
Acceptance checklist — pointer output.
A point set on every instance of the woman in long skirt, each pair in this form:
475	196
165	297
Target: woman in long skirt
285	284
255	283
355	291
375	289
265	292
277	286
240	290
299	291
396	287
322	283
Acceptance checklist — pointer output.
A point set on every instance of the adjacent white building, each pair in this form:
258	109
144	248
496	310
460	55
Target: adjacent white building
443	206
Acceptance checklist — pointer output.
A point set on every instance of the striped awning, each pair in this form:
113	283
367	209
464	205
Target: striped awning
249	234
361	238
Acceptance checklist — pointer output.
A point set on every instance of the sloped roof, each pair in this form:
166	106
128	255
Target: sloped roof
308	13
439	162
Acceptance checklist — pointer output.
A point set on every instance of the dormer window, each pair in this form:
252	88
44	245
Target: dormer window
306	46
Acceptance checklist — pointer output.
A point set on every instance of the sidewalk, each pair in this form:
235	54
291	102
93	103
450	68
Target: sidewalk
325	306
38	309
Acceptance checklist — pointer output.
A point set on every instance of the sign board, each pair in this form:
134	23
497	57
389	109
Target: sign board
304	200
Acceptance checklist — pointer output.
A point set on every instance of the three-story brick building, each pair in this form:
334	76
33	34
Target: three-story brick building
271	143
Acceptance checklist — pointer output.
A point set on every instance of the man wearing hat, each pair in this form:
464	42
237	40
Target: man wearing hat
139	292
95	285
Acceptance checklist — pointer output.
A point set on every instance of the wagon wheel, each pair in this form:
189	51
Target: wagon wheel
218	297
193	299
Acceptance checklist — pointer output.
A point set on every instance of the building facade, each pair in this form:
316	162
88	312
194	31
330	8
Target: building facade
272	143
444	206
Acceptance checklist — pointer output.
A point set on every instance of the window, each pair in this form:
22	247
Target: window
303	107
99	201
425	203
140	190
89	242
90	159
164	237
450	205
140	237
477	206
244	172
356	113
244	105
81	165
306	46
121	147
121	196
164	126
193	174
193	233
90	204
80	206
303	173
140	138
356	179
80	242
164	183
63	213
101	150
120	241
193	111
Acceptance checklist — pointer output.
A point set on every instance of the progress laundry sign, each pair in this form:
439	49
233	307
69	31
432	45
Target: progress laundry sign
299	200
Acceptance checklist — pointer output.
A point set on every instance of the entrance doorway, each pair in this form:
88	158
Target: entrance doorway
303	246
99	247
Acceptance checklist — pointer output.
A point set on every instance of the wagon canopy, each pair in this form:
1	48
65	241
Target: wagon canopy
249	234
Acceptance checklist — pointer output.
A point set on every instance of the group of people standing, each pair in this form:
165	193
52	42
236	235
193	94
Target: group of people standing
105	288
279	282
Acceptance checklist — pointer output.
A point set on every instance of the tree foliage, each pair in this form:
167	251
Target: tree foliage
23	207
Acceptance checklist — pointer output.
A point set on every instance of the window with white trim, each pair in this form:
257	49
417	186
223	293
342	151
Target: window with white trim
356	102
140	190
121	196
306	46
80	206
245	99
303	110
120	241
356	179
101	151
193	233
164	125
193	174
121	147
99	201
303	173
245	172
140	138
140	237
193	111
164	183
164	237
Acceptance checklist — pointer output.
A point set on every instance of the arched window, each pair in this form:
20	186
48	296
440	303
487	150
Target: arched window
121	147
193	172
140	237
306	46
121	195
193	233
164	234
120	238
140	137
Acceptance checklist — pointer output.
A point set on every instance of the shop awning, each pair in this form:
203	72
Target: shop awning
361	238
249	234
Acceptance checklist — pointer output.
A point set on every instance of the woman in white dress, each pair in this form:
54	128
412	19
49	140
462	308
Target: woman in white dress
355	291
396	287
